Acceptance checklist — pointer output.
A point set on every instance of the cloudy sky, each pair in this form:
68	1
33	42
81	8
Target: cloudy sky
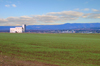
48	12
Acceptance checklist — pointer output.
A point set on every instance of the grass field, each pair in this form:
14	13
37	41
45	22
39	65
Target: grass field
54	49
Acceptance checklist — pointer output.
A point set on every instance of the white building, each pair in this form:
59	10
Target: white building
18	29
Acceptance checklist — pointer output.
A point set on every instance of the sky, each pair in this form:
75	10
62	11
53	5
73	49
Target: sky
48	12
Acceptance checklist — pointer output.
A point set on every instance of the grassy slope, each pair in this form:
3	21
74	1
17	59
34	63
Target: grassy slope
61	49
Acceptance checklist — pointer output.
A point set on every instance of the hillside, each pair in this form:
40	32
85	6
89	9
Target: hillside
57	27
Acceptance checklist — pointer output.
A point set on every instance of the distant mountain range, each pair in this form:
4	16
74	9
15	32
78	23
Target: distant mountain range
57	27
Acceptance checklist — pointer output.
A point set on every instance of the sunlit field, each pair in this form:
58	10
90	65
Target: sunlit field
53	49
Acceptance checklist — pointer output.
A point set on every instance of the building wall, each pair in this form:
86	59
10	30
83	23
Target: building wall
18	29
12	30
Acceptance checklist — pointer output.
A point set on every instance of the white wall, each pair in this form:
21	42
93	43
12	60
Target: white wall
12	30
16	30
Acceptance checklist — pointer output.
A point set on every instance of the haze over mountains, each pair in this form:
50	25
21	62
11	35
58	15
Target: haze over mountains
57	27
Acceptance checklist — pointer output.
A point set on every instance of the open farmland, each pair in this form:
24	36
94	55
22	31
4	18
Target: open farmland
49	49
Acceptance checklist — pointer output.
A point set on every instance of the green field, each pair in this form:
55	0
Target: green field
56	49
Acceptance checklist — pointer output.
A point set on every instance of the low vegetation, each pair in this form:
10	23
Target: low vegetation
50	49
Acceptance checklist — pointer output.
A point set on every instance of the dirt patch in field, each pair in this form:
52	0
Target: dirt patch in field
34	45
91	51
12	61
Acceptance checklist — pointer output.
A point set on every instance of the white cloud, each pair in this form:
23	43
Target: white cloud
18	20
13	5
92	15
49	18
67	13
3	20
95	10
86	9
7	5
86	15
58	16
